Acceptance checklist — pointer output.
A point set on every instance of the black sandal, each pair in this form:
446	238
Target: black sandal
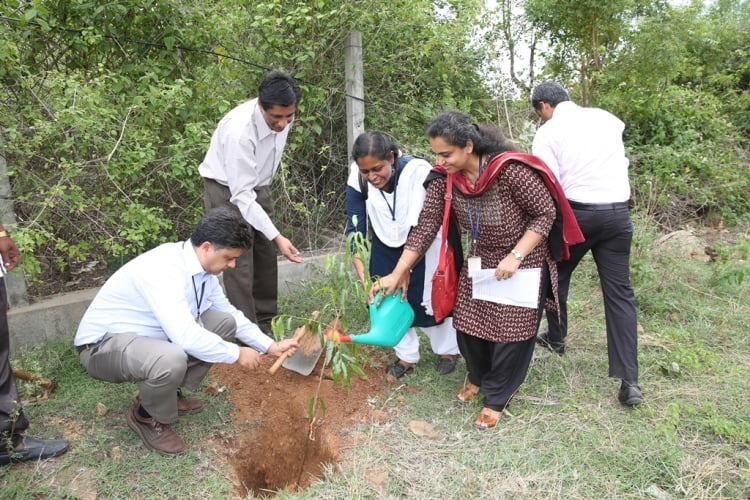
447	365
398	370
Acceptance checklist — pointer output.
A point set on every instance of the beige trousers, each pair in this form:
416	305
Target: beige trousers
159	366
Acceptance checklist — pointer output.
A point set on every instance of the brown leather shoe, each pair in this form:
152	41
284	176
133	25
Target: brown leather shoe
187	406
156	436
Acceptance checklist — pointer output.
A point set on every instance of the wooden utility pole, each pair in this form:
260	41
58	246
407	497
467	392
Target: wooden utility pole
355	88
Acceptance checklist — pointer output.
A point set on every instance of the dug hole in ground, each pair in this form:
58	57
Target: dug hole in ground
277	445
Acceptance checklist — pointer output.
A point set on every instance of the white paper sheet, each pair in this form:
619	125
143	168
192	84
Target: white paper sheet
522	289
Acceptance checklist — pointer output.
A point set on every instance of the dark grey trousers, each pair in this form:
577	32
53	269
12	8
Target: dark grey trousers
252	286
12	420
497	368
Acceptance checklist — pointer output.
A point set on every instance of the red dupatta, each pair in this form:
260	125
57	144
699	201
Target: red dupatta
570	233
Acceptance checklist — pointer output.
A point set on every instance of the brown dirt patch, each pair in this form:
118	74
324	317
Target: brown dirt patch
277	445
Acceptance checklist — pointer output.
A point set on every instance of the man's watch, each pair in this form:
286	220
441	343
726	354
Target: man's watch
518	255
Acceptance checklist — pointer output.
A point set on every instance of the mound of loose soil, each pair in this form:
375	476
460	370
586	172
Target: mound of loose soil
277	445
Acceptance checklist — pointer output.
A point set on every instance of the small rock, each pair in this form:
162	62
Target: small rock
378	478
423	429
378	417
656	492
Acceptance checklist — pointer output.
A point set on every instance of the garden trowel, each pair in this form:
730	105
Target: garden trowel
310	348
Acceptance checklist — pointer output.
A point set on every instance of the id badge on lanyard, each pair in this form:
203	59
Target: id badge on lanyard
394	230
475	261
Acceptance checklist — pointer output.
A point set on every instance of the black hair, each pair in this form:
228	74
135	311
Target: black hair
375	144
456	128
550	92
278	89
223	227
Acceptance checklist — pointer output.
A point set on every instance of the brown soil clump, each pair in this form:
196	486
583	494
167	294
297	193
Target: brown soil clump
309	343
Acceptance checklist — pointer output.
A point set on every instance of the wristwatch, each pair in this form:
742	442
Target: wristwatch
518	255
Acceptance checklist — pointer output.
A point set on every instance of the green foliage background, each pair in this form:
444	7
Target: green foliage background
679	78
106	109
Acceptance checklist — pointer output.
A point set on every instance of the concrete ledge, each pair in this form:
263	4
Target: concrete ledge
51	319
56	318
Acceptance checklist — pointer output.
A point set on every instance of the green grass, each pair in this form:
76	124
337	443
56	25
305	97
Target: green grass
106	459
563	436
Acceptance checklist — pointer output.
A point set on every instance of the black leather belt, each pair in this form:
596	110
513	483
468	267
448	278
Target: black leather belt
81	348
597	206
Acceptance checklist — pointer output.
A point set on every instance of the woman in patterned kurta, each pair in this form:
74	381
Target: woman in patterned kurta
507	215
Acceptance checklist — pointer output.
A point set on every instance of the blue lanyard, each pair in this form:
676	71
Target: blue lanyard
392	209
198	300
474	229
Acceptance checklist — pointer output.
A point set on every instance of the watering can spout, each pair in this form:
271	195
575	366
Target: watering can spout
389	321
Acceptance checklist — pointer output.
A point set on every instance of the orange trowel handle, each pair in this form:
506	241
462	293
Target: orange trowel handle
298	334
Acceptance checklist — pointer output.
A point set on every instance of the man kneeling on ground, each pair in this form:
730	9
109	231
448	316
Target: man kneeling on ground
162	320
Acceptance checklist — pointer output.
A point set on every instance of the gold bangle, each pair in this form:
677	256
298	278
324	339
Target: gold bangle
408	267
4	234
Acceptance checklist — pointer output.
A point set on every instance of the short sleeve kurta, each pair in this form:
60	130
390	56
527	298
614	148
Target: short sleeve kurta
518	201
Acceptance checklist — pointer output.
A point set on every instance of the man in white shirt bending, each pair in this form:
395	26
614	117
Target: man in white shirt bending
584	148
244	154
162	320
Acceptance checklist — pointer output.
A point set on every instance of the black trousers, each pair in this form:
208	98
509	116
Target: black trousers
252	286
498	368
609	232
12	420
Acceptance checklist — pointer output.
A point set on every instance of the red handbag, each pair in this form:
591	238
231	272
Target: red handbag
445	279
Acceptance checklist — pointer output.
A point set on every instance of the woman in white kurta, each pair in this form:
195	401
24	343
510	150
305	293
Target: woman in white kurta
389	189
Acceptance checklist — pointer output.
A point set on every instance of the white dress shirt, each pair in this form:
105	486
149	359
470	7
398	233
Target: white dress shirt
160	294
583	147
244	154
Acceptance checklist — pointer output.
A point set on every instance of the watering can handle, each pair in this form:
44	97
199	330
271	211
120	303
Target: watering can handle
298	334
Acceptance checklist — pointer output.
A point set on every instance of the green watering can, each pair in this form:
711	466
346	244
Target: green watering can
389	322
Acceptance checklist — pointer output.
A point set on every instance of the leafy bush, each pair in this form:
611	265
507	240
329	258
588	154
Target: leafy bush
680	83
107	111
686	165
101	182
